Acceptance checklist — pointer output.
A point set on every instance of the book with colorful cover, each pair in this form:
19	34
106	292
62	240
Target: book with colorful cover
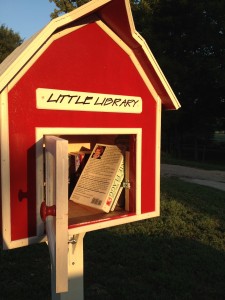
76	163
101	179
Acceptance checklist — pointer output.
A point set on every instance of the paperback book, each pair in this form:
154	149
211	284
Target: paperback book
100	182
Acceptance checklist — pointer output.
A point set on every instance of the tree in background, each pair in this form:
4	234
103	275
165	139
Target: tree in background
187	38
65	6
9	40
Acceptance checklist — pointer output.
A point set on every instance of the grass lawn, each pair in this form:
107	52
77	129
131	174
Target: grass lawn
180	255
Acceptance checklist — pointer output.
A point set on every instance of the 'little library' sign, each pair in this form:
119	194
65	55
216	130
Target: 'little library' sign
84	101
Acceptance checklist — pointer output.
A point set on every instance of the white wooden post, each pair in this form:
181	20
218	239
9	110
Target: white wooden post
75	271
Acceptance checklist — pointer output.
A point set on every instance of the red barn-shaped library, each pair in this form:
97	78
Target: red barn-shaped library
88	77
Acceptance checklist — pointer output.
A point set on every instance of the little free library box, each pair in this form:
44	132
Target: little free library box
87	79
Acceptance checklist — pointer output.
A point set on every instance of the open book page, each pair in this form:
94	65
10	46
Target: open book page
101	178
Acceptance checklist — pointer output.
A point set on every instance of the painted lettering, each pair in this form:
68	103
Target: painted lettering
116	101
108	101
77	101
124	103
87	100
99	102
51	100
135	102
83	101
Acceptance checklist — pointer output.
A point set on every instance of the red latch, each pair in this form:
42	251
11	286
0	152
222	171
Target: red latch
47	211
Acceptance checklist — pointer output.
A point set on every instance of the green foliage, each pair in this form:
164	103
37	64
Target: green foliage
9	40
187	38
65	6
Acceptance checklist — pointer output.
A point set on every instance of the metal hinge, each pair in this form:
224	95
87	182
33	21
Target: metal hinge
72	240
126	184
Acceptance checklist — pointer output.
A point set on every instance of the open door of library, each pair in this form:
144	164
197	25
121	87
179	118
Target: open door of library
56	181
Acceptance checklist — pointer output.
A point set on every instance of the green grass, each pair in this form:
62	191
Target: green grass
177	256
180	255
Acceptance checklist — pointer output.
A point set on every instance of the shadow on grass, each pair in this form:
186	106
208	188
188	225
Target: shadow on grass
148	267
25	273
120	266
180	255
177	256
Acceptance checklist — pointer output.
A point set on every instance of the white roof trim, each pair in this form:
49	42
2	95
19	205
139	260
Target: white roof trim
24	53
21	55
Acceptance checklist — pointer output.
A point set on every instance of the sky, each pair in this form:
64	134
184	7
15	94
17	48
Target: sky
25	17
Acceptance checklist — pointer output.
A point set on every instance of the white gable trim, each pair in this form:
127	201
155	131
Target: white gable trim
23	54
16	61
